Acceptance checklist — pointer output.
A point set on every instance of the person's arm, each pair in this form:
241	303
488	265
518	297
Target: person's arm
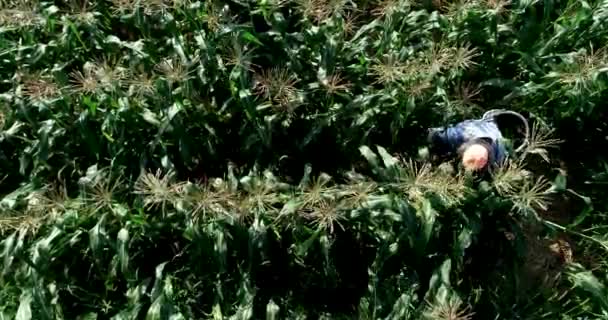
446	141
500	152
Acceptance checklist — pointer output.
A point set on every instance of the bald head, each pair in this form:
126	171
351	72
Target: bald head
475	157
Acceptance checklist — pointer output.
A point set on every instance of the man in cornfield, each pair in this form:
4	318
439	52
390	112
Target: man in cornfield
478	142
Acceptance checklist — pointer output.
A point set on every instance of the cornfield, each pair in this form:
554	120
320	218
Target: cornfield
265	159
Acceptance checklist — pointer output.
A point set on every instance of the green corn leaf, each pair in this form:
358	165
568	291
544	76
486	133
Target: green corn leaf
587	281
150	117
154	312
303	247
427	219
440	285
369	155
272	310
389	161
402	308
177	316
464	241
25	307
251	38
88	316
217	312
97	237
7	252
158	288
122	241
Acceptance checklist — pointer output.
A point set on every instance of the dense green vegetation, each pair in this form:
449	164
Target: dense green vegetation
265	160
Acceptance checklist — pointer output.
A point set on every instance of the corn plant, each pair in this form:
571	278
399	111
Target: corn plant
259	159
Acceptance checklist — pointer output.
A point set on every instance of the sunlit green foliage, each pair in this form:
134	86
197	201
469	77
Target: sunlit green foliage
260	159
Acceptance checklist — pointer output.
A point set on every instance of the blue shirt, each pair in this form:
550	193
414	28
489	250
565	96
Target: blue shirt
454	136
